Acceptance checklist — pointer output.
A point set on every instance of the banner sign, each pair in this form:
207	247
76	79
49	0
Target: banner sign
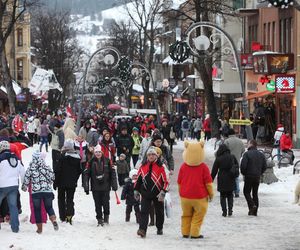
285	84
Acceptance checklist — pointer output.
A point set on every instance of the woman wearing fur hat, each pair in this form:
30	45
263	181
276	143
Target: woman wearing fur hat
152	185
66	177
41	178
100	177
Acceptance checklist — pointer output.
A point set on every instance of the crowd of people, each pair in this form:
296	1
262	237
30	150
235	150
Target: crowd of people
107	153
132	153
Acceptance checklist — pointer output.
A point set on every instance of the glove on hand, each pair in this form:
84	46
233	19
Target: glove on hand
24	188
136	195
161	196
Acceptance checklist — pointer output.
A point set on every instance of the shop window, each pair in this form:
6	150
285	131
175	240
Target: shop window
238	4
273	44
20	37
20	69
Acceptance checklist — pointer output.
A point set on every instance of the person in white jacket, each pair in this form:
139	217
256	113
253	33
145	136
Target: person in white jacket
277	136
11	170
145	144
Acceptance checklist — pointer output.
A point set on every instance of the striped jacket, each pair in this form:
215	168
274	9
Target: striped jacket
151	180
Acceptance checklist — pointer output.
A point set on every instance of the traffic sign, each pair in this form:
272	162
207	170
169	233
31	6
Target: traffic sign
246	122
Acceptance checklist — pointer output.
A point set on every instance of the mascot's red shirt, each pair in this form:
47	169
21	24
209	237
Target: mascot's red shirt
193	181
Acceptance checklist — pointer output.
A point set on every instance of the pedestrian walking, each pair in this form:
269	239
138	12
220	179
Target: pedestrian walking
226	180
237	148
11	171
128	195
66	177
100	177
152	185
41	178
253	165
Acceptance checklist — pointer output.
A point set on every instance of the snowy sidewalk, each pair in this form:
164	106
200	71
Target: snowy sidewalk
275	227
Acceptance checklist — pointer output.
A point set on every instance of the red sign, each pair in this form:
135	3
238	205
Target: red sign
256	46
247	61
285	84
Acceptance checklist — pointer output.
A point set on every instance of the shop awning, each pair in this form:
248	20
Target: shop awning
256	95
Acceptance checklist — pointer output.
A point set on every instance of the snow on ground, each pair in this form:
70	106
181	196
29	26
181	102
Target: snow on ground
275	227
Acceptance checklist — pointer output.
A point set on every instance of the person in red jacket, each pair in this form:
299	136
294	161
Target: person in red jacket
207	127
152	184
146	125
286	146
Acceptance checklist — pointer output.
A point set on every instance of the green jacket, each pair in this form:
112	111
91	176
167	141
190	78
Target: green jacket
137	144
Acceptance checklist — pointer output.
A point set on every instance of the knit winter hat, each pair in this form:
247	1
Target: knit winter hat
36	154
151	150
123	155
156	136
135	129
158	151
98	148
68	145
132	173
4	145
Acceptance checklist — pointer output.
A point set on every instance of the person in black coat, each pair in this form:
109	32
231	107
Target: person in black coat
253	165
128	195
226	181
101	177
124	144
66	176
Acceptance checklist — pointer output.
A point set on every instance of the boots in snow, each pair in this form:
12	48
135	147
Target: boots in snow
69	219
54	222
141	233
39	228
127	218
106	219
223	205
100	222
138	217
230	205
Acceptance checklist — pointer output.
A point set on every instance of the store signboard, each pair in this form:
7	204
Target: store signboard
268	63
285	84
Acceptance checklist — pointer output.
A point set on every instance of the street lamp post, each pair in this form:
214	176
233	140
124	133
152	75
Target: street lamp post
201	44
140	71
111	58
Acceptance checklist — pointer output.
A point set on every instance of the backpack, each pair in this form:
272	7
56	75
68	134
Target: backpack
234	170
185	124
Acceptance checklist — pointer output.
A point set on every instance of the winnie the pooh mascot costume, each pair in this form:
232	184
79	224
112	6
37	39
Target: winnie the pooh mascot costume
195	189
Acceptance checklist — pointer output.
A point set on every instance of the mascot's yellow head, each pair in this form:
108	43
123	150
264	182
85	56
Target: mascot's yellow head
193	154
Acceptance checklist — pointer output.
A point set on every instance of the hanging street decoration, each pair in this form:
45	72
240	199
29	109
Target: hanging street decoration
281	3
264	79
285	84
124	68
271	86
179	51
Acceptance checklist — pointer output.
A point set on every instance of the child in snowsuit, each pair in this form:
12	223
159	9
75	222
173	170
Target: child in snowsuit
122	169
128	195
